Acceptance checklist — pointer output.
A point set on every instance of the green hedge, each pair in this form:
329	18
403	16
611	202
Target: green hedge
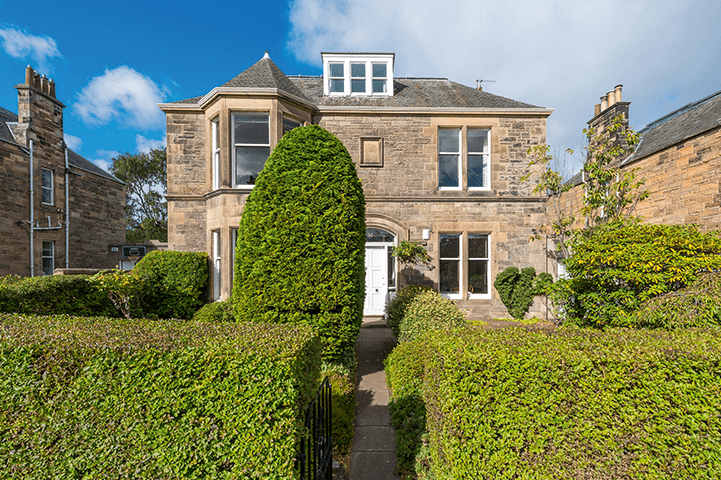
58	294
429	311
216	312
301	241
93	397
177	283
574	404
398	306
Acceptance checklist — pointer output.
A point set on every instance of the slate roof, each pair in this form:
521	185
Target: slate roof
679	125
407	92
74	159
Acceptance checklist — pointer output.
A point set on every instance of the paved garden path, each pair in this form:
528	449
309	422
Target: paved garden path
373	454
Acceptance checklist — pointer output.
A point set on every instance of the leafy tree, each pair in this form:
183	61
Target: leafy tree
145	177
517	289
301	241
617	267
611	193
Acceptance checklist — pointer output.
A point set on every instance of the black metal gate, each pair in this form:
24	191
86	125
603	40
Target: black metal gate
316	447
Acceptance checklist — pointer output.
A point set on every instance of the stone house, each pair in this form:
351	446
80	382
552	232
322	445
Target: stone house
440	163
679	155
59	209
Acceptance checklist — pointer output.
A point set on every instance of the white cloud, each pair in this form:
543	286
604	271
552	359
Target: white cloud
74	143
103	158
144	145
124	95
104	164
561	54
20	44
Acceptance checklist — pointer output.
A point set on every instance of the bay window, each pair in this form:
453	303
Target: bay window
251	147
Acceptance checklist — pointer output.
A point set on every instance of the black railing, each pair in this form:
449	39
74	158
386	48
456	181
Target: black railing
316	446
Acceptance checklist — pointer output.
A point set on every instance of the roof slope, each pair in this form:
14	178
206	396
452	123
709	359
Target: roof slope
686	122
265	74
411	93
75	160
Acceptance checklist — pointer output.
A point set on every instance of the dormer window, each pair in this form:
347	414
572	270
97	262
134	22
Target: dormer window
358	74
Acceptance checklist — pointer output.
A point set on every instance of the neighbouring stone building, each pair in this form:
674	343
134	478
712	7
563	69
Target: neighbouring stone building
440	163
679	155
58	209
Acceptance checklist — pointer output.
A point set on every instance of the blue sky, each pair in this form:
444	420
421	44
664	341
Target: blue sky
113	61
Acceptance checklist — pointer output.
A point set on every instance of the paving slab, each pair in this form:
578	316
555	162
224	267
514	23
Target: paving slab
374	441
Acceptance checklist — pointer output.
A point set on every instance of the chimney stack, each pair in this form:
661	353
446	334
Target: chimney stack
596	109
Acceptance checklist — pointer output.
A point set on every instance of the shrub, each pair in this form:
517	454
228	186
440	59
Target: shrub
517	289
573	403
698	305
92	397
398	306
429	311
216	312
301	244
58	294
616	268
177	283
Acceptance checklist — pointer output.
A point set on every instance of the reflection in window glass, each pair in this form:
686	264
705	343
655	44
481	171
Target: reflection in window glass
358	77
449	155
380	84
47	186
337	77
477	264
477	157
450	260
48	258
289	125
379	235
251	136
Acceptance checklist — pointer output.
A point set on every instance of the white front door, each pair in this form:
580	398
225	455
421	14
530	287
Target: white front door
376	280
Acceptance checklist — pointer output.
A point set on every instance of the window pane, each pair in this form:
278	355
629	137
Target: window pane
252	129
358	86
289	125
449	276
450	246
448	171
391	269
477	276
477	139
336	86
380	86
448	140
47	195
476	171
47	178
336	69
477	246
249	161
379	235
357	70
379	70
47	249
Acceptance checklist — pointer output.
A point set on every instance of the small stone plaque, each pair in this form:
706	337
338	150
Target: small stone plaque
371	150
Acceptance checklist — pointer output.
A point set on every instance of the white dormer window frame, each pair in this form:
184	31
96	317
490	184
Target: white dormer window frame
359	75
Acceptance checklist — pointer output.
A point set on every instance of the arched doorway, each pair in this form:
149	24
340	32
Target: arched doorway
380	270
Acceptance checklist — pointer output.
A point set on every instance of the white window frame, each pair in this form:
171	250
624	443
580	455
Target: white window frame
458	154
479	296
348	59
217	272
463	155
459	260
235	163
233	246
47	188
486	155
215	140
374	78
50	257
364	78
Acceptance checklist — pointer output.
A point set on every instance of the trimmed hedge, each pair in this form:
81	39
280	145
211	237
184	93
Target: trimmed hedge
216	312
398	306
177	283
301	241
58	294
429	311
92	397
573	403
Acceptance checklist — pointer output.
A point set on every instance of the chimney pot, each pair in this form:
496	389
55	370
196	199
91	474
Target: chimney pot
611	97
36	82
618	93
29	74
604	103
596	109
51	88
44	84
